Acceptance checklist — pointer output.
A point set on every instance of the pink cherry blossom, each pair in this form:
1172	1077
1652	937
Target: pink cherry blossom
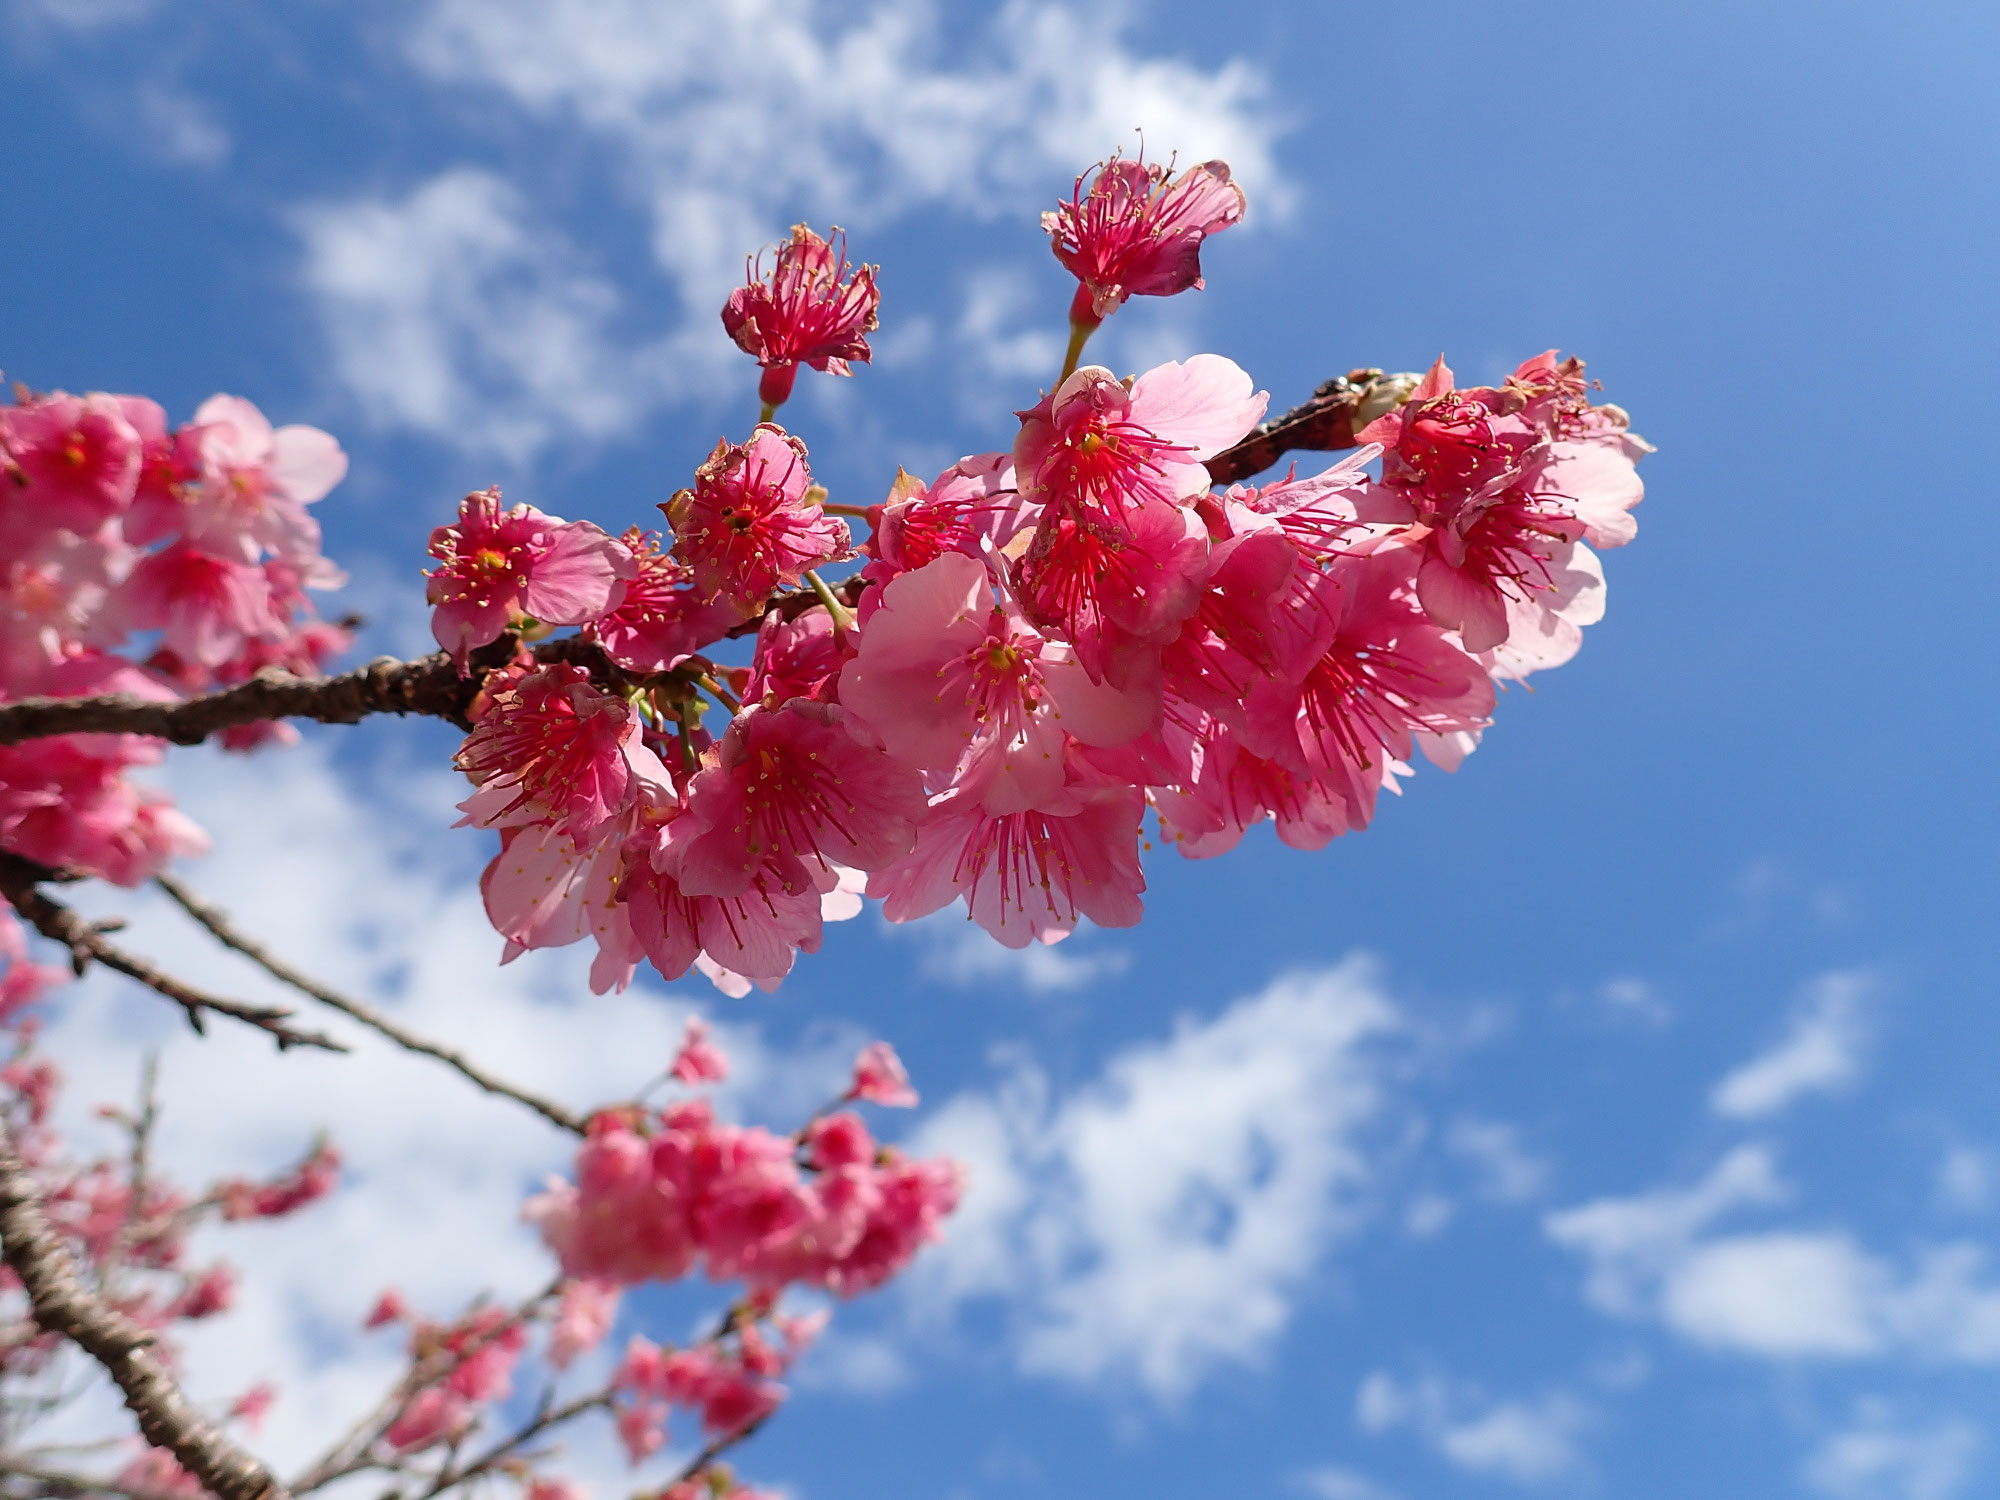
552	749
880	1079
699	1060
794	658
584	1315
754	934
797	790
496	567
430	1416
840	1139
256	483
661	620
206	608
74	461
946	676
809	310
970	506
750	524
1024	876
1138	231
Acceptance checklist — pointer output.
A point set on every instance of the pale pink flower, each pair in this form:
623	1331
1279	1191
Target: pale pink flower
584	1315
699	1060
1369	670
796	790
754	934
1024	876
74	461
749	525
206	608
879	1077
257	482
158	1472
552	749
944	675
1138	231
496	567
662	620
642	1428
543	1487
809	310
543	891
431	1415
1234	790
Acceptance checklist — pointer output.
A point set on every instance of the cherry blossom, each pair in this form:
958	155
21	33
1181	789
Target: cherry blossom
810	310
751	524
880	1079
1138	231
496	568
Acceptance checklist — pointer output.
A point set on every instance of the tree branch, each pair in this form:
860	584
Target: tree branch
36	1254
225	933
18	884
1329	419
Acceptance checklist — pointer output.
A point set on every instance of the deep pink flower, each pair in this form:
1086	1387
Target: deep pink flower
1138	231
971	505
553	749
496	566
1369	670
1234	790
840	1139
754	934
169	465
809	310
389	1308
1451	447
880	1079
794	657
75	463
662	618
428	1417
1024	876
945	677
699	1060
796	790
256	483
751	524
912	1199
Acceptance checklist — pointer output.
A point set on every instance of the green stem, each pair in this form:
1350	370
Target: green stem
768	410
842	618
1079	335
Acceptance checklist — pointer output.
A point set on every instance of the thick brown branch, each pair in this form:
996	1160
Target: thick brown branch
86	943
225	933
35	1253
1330	419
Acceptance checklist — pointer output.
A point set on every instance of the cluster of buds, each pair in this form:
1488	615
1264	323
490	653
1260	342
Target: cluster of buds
1039	645
150	560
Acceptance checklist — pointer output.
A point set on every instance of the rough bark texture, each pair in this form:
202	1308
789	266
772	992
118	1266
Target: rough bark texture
65	1307
1330	419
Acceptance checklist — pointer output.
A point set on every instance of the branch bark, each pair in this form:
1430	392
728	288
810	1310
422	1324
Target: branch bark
62	1305
1329	419
19	884
225	933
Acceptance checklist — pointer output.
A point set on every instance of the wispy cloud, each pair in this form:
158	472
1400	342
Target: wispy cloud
1159	1223
1529	1441
1822	1051
1878	1457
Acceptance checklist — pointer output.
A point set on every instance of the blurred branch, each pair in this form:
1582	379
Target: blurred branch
1329	419
225	933
34	1252
19	880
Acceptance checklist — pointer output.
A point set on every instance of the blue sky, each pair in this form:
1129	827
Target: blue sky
1651	1150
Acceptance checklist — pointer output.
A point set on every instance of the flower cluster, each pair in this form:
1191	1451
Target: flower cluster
157	561
660	1194
1040	645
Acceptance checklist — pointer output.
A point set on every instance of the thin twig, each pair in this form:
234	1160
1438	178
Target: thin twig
54	1484
501	1451
167	1419
85	941
225	933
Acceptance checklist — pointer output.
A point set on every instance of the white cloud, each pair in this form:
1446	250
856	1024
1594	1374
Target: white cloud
1528	1441
1878	1458
1508	1171
1965	1179
1776	1294
361	882
451	311
1161	1222
1631	996
1821	1051
454	311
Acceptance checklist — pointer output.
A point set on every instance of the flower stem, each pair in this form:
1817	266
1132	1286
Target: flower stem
1079	335
842	617
720	693
859	512
767	411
